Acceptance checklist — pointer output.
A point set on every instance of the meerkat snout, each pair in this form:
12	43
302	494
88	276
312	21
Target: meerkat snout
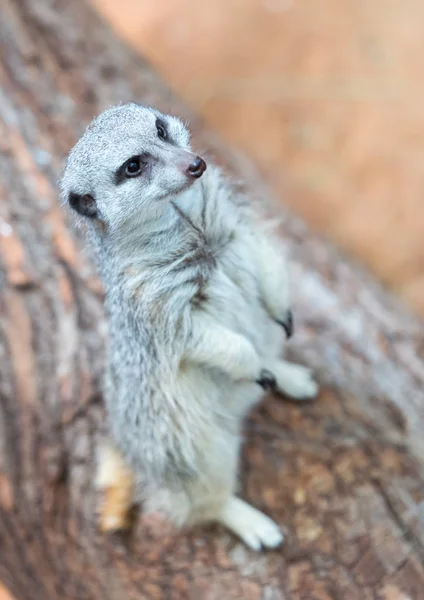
197	167
189	164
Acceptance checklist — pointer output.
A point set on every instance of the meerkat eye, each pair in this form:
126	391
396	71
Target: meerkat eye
161	129
133	167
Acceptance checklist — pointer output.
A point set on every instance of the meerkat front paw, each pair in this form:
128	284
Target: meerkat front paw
253	527
295	381
287	323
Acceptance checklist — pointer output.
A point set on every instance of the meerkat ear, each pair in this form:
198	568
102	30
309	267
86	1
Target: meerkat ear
84	204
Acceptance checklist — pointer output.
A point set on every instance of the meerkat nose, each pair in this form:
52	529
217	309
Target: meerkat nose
197	167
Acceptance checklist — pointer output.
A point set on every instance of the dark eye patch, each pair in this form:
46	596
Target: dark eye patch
133	167
162	129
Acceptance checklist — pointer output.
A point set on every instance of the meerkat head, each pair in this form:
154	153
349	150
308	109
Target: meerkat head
130	159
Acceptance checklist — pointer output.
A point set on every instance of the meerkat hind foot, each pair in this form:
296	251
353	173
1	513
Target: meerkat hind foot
254	528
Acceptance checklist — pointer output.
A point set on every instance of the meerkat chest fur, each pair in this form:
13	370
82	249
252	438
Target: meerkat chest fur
199	255
229	289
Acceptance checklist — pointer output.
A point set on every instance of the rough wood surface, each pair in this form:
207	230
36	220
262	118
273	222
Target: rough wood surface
339	475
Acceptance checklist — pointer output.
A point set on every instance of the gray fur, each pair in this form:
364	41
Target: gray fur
195	281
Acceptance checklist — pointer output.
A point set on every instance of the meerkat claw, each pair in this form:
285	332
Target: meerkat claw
287	324
267	380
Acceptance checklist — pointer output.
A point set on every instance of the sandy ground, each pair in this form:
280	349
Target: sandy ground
326	96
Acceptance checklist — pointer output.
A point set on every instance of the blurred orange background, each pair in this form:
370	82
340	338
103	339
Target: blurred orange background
326	96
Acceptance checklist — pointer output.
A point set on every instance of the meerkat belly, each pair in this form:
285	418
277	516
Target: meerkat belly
234	300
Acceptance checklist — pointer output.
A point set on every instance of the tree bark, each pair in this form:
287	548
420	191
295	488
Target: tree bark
342	476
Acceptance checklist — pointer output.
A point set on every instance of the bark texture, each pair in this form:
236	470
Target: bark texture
342	475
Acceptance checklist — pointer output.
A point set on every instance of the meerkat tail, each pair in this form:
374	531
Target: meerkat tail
116	482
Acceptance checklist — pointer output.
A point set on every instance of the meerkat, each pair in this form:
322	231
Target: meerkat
198	304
